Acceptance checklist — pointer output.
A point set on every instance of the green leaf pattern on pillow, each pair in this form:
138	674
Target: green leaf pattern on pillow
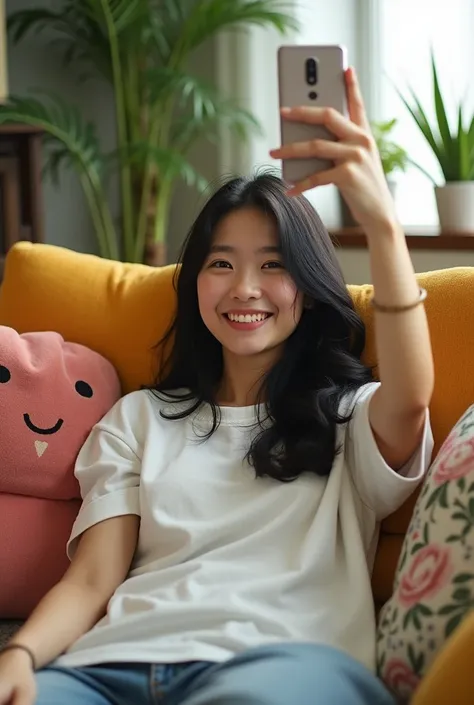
434	582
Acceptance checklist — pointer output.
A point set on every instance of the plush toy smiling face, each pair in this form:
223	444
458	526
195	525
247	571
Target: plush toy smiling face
51	395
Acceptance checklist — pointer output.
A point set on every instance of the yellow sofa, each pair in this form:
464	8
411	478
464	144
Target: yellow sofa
121	311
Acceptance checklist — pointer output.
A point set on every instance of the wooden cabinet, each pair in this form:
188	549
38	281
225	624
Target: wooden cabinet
21	200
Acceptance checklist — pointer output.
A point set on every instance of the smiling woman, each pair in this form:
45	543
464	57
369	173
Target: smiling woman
244	288
231	513
255	251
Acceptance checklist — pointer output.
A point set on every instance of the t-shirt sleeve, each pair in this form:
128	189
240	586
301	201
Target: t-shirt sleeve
380	488
108	471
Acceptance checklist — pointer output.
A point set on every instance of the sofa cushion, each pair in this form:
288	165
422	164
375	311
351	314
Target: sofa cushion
122	310
52	392
434	585
119	310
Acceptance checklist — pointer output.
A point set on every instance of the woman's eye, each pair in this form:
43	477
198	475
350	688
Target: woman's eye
273	265
220	264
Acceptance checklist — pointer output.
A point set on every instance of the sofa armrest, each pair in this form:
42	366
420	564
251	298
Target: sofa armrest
451	677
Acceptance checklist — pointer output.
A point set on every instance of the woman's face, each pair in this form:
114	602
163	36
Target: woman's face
247	299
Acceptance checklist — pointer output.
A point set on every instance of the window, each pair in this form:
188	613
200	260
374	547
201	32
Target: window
407	31
389	42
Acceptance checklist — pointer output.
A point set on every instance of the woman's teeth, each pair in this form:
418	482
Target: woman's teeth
247	318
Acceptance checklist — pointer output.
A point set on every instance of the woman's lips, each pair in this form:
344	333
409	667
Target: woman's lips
247	324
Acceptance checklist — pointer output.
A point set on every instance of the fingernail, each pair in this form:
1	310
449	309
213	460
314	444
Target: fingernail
285	111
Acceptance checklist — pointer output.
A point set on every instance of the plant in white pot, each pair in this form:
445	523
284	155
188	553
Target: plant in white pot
453	147
393	157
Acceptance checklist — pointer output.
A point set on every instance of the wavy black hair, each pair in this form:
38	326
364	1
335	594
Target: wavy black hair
321	362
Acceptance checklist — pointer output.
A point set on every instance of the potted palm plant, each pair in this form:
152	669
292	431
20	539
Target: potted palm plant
453	147
143	48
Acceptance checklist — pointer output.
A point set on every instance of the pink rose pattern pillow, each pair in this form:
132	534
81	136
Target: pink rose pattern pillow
434	583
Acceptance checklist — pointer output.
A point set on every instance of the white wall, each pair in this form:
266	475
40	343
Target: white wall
356	268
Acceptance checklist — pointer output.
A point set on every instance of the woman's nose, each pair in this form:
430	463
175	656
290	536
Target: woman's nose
246	286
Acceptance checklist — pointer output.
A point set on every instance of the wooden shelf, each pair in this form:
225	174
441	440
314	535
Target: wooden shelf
14	129
21	201
418	238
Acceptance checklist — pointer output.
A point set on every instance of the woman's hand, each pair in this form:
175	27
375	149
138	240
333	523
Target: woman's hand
398	408
357	170
17	680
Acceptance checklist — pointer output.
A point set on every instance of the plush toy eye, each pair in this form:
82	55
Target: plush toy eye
5	375
84	389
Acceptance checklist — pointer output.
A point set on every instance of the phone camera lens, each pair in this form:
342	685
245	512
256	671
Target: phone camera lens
311	72
313	95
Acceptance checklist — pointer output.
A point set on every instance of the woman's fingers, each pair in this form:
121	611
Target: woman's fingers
322	178
355	102
319	148
340	126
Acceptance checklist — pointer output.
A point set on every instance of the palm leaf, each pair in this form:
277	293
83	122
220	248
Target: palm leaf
187	129
123	13
165	25
207	17
70	140
61	122
77	38
187	90
171	164
33	20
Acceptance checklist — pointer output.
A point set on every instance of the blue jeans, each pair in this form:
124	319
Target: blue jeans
289	674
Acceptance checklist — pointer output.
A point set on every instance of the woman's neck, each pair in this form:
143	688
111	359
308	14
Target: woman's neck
242	378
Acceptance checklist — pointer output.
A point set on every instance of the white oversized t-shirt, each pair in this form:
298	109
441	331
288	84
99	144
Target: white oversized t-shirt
227	561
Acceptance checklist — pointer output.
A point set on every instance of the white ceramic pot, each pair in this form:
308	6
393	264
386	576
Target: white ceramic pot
455	203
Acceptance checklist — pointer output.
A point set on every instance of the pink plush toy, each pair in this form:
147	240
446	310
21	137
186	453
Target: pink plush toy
51	394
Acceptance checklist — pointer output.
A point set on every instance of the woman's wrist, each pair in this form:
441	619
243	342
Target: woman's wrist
386	230
18	652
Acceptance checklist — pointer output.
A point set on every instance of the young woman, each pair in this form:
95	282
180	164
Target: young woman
223	550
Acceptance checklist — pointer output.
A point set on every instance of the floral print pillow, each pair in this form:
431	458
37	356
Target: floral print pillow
434	582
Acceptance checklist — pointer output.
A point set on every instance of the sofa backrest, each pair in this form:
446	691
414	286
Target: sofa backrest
122	310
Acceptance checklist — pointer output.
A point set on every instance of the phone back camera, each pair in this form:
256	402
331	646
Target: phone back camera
312	95
311	71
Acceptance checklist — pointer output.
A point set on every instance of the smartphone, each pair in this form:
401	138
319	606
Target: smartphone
313	76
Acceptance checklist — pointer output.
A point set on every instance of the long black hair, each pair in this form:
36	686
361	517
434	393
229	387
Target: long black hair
321	360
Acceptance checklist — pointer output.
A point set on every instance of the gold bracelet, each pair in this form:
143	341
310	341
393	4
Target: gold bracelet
400	309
